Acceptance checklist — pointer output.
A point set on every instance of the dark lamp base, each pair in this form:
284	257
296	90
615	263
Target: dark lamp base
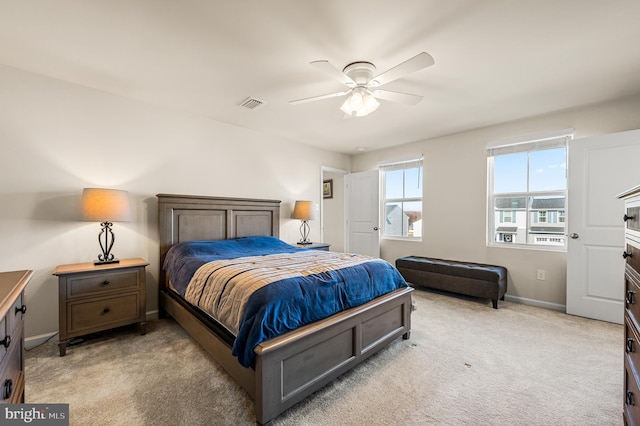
105	262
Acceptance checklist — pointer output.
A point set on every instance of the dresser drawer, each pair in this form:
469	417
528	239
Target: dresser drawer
91	284
11	376
15	314
3	335
632	257
631	392
632	294
102	313
632	344
10	330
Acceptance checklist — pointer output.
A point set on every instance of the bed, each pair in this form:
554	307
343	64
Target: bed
289	367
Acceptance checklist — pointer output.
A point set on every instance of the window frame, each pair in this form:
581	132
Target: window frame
400	165
526	144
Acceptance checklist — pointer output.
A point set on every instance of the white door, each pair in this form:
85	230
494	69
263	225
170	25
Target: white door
363	218
599	168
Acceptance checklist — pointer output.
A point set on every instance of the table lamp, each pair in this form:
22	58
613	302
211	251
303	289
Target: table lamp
106	206
303	210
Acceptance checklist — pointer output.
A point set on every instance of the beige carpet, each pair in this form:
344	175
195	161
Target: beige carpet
465	363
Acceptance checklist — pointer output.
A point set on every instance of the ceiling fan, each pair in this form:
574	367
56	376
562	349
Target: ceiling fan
363	92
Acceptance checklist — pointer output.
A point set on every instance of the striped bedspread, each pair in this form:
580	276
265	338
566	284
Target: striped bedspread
222	288
261	287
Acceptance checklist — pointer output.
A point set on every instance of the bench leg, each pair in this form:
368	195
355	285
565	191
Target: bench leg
495	303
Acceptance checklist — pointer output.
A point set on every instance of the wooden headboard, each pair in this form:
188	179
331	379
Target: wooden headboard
192	217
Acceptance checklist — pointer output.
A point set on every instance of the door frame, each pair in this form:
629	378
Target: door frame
323	170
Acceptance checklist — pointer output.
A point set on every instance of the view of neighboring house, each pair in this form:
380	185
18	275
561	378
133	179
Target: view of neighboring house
546	220
402	223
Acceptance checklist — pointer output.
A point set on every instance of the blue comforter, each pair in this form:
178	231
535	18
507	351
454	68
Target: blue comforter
289	303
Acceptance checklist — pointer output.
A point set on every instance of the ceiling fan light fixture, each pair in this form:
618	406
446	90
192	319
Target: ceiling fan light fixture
360	103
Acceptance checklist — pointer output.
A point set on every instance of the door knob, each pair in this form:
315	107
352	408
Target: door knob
574	236
375	228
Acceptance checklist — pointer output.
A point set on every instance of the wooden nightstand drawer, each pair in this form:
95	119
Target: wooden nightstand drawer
90	284
104	313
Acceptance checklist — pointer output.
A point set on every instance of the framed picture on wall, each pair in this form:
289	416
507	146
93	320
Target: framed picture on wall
327	188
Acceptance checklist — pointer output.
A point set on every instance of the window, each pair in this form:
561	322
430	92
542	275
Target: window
528	192
402	199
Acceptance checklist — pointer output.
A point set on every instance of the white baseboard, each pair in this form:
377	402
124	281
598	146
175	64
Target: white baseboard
32	342
152	315
539	303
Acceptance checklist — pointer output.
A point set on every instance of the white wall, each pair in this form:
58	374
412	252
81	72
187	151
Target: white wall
455	191
57	138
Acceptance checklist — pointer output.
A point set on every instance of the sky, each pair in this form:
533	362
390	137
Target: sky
547	171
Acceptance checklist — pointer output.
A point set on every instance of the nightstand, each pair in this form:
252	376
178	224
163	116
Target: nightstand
94	298
315	246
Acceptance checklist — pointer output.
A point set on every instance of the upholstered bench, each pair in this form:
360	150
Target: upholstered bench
471	279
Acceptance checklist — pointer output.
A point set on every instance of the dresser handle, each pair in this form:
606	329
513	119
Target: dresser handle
630	345
629	398
106	310
22	309
626	218
626	254
105	283
6	341
630	297
7	389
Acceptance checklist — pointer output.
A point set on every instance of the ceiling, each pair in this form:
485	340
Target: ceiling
495	60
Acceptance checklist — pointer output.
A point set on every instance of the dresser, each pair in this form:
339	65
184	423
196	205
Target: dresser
12	310
631	255
94	298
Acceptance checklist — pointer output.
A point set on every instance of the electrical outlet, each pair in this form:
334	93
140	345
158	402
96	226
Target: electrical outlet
541	275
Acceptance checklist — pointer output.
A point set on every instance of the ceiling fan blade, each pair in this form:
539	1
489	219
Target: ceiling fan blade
328	68
317	98
418	62
402	98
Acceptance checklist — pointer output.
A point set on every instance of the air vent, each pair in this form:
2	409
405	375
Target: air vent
252	103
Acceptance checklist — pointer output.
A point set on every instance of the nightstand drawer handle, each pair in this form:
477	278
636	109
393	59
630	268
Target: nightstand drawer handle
629	398
6	341
630	345
105	282
7	389
106	310
22	309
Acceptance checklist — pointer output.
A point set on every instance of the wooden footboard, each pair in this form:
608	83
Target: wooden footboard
292	366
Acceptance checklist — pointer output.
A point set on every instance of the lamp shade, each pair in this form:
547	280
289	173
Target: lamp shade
302	210
106	205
